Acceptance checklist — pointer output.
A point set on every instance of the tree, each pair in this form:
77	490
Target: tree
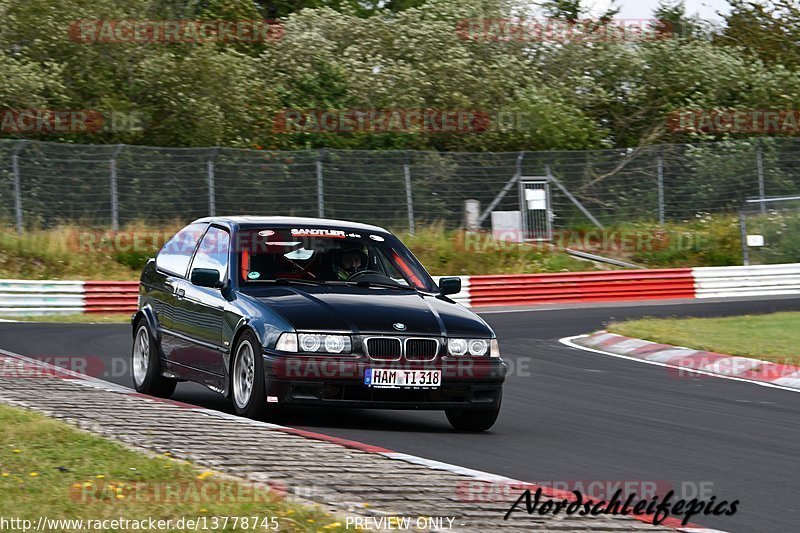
574	10
770	29
673	20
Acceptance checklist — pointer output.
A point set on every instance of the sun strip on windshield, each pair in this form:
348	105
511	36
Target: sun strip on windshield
245	263
407	270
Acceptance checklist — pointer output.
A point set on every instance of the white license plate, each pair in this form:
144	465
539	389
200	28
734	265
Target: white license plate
402	379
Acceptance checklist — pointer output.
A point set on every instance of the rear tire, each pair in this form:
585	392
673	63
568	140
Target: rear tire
248	390
472	419
146	364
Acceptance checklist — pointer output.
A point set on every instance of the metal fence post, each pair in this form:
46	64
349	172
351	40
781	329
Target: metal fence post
409	199
760	168
552	179
660	172
212	196
17	184
743	231
320	189
114	192
507	187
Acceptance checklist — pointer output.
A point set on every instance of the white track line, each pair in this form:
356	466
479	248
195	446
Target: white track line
568	341
488	310
478	475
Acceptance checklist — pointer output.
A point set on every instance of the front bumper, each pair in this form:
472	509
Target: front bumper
339	382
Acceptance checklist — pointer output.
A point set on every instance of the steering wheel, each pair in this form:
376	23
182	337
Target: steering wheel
361	273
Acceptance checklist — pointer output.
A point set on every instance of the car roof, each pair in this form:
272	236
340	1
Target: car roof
248	221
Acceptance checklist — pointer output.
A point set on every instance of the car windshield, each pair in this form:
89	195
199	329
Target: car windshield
329	256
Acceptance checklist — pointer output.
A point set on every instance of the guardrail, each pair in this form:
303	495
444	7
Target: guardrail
762	280
33	298
30	297
529	289
111	296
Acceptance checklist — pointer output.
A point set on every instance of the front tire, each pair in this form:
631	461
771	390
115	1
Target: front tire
472	419
248	390
146	364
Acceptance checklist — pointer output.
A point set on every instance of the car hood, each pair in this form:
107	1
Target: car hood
370	311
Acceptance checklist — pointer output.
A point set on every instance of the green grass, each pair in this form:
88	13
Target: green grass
773	337
448	252
75	252
50	469
74	319
703	240
84	253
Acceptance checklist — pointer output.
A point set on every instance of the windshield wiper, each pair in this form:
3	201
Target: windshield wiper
289	281
382	285
299	281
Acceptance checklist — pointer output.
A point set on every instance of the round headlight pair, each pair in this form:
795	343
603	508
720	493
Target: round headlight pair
467	346
314	342
324	343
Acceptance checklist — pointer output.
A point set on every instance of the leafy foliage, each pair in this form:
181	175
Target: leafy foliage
770	29
403	54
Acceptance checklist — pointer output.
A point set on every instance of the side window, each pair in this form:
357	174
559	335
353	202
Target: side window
174	257
213	251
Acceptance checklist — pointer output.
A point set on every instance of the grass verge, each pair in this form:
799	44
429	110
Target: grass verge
80	253
49	469
773	337
85	253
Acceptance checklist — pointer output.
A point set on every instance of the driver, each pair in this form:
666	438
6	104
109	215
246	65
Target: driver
351	261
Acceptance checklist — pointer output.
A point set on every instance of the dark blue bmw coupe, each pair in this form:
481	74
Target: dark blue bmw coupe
275	311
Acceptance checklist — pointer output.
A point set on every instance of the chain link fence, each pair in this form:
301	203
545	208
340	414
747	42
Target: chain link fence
770	229
45	183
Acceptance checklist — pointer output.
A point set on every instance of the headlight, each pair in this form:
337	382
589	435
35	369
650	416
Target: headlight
495	348
321	343
457	346
336	343
314	343
478	347
468	347
310	343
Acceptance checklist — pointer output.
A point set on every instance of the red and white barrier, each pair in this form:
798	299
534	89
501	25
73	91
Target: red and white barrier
34	297
762	280
24	297
530	289
111	296
621	285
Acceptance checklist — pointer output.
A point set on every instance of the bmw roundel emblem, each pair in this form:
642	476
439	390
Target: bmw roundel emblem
399	326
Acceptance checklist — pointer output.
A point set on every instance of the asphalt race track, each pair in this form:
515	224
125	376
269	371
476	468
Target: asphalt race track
567	414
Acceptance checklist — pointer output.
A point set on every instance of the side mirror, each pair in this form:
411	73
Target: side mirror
450	285
206	277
